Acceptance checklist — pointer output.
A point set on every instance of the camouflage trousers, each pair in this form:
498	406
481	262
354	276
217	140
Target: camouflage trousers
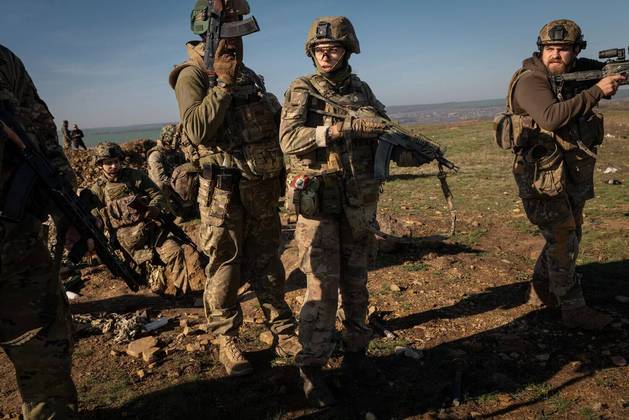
184	268
333	258
554	277
240	233
35	326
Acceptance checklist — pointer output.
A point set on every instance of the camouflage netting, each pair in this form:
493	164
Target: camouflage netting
82	161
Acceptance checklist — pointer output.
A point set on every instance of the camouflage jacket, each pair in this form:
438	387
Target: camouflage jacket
236	129
303	129
161	163
110	202
19	96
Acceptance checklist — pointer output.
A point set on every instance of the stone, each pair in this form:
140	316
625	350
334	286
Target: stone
370	416
183	323
267	338
394	287
622	299
188	331
619	361
137	347
141	373
152	354
204	339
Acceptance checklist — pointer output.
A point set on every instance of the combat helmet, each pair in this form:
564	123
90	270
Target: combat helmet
332	29
106	151
168	135
561	32
199	18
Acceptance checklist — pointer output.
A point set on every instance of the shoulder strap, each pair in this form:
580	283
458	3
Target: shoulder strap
516	77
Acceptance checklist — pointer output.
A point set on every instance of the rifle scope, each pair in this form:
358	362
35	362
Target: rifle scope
612	53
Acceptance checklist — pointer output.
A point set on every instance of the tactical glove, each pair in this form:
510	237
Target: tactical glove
226	62
358	128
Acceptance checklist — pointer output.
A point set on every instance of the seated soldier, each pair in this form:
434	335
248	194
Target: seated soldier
172	268
168	169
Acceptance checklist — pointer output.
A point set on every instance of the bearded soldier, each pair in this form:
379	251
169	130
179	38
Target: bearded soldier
331	180
172	268
555	160
34	317
233	125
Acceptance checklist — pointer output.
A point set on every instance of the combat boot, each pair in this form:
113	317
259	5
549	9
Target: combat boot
539	295
585	318
288	345
236	364
316	390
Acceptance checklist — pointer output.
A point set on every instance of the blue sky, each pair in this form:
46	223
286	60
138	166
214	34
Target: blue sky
105	63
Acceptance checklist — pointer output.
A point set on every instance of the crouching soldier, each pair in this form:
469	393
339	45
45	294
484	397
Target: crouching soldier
171	267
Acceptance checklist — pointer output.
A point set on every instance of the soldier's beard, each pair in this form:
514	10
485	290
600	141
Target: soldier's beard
557	67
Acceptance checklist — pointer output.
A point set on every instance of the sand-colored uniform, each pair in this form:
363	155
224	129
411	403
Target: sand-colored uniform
334	236
176	267
235	135
34	317
567	120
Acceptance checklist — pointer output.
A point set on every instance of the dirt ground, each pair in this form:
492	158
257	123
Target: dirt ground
464	343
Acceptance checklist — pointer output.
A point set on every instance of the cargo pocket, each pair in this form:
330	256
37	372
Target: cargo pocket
215	214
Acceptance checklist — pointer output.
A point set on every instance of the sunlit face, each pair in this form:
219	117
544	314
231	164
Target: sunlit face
111	167
328	55
558	58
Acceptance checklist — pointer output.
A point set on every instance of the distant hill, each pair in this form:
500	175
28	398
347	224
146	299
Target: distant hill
405	114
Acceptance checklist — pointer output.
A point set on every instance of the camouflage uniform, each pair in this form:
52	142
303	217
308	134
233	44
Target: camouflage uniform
34	317
168	170
174	268
235	134
333	235
565	121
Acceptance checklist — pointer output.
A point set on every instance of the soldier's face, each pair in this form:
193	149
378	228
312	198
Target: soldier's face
111	167
558	58
328	56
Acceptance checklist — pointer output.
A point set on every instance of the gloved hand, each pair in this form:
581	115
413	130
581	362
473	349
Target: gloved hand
227	58
364	127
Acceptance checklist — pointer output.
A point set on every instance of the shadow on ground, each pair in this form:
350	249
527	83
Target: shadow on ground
507	359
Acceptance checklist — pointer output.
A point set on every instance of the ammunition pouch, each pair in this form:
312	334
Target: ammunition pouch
217	186
121	214
580	166
512	131
185	182
540	173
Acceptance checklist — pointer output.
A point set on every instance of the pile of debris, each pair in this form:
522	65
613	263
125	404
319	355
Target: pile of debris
82	161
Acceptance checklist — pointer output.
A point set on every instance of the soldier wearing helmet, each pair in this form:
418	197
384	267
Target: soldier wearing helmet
555	162
330	159
234	128
172	268
162	160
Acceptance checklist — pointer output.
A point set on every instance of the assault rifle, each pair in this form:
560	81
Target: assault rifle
166	220
616	63
33	170
217	30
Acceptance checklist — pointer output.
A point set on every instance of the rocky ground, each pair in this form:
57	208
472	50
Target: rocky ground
454	336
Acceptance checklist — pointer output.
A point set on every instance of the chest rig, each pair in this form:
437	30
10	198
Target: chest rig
249	136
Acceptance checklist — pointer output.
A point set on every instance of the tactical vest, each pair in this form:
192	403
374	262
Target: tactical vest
571	151
131	229
351	160
249	138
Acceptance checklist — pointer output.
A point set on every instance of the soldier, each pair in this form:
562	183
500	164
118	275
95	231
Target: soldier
330	159
77	138
34	317
554	167
173	268
67	137
162	161
234	127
